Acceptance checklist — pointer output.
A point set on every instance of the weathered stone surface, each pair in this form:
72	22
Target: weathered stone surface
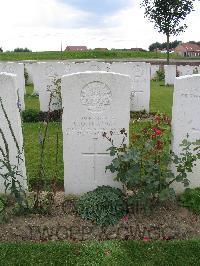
140	75
154	69
18	69
186	118
185	70
46	81
89	66
170	74
93	102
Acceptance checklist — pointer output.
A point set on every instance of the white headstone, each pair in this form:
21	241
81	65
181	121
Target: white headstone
18	69
8	95
154	69
90	66
186	118
185	70
140	75
46	76
28	68
93	102
170	74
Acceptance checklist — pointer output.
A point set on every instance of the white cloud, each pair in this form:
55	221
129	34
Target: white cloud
43	24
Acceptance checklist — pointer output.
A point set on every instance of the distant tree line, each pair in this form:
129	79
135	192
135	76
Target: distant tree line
22	50
163	46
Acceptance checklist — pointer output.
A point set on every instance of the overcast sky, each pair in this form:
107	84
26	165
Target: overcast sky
41	25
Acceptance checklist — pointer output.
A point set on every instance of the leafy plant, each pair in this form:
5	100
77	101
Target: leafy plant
30	115
191	199
143	167
160	75
104	206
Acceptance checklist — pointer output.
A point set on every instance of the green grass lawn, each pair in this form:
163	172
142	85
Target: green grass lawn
11	56
31	102
161	100
107	253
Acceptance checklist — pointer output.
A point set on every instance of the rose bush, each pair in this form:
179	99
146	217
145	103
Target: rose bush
144	166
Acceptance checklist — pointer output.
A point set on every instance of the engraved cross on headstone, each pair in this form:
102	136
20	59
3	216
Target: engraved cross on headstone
95	155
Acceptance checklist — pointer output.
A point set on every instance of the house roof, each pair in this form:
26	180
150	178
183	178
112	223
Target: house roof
75	48
189	46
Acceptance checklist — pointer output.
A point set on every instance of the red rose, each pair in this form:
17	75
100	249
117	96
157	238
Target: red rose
146	238
157	131
125	218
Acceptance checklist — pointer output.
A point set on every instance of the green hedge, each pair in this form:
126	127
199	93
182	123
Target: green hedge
34	116
102	253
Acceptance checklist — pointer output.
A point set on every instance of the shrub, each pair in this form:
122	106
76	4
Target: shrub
34	116
104	206
143	167
30	115
160	75
191	199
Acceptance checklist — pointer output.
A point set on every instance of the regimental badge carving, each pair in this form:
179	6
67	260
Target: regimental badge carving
4	79
138	71
94	67
67	68
50	71
8	69
96	96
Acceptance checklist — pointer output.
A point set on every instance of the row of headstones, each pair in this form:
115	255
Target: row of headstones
93	103
45	74
173	71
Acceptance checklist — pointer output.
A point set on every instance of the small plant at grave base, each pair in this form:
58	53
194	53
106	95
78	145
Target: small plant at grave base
43	204
191	199
103	206
143	167
30	116
195	71
160	75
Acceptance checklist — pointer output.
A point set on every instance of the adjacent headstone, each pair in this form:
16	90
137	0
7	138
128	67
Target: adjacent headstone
28	68
154	69
18	69
185	70
89	66
170	74
8	96
93	102
186	118
47	80
140	75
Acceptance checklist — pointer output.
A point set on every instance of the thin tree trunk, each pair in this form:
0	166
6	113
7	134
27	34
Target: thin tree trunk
168	48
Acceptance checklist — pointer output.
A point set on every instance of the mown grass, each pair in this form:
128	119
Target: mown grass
116	253
32	102
11	56
161	100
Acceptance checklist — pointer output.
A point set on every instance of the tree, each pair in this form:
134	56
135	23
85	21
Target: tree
168	15
163	45
1	50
